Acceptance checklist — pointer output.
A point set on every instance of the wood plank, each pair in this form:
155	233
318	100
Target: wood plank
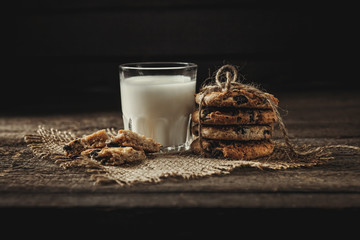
183	200
28	182
340	175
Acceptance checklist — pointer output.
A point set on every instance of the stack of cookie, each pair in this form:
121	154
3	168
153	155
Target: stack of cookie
235	124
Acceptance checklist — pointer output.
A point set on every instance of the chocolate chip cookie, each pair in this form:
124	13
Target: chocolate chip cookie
96	140
238	98
100	139
127	138
237	132
113	156
240	150
233	116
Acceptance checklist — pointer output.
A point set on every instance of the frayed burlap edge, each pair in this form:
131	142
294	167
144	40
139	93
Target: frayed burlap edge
47	143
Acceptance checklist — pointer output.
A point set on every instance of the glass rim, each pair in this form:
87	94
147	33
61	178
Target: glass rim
157	66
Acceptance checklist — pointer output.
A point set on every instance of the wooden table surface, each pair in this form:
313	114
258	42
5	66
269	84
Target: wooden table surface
29	185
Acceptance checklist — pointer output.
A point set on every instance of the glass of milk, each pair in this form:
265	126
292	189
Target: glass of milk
157	99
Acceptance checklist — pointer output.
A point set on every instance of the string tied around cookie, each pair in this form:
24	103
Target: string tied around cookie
230	78
229	84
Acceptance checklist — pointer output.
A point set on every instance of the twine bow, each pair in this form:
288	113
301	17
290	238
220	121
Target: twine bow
231	82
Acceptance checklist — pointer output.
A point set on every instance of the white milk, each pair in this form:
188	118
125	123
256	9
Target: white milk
158	107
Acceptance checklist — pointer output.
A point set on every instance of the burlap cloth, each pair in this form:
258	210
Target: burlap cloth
47	143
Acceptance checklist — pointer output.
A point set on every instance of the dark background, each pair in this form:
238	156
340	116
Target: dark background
66	59
67	52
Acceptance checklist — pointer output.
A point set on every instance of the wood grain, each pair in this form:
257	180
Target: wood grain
317	119
324	199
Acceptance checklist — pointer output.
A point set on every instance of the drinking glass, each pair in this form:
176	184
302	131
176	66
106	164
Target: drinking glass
157	99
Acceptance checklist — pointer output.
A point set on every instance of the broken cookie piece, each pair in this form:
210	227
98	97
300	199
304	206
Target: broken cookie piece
95	140
100	145
113	156
127	138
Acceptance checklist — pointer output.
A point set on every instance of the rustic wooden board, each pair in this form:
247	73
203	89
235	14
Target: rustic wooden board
313	119
326	194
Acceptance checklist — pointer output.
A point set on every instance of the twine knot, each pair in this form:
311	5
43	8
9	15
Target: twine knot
230	78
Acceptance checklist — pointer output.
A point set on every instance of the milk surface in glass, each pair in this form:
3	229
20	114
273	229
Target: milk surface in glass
158	106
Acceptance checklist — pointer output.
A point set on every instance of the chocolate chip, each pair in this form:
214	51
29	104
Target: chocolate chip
240	99
238	119
103	161
204	114
206	111
94	153
196	131
113	144
100	159
67	148
266	132
241	129
251	116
